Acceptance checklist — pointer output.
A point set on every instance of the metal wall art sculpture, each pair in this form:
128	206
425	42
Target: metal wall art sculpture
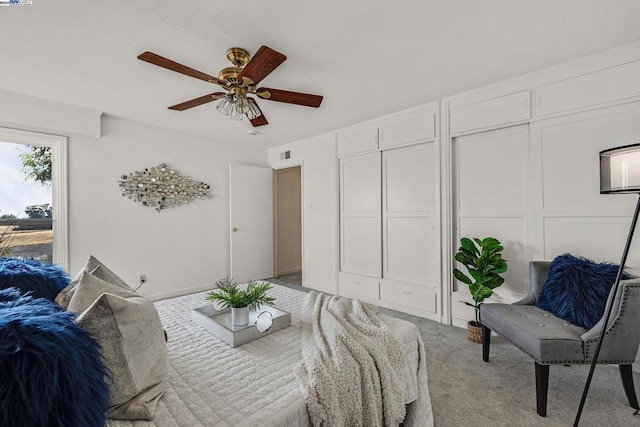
162	187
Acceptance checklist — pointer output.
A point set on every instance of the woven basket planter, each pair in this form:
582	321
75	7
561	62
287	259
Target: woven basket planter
474	331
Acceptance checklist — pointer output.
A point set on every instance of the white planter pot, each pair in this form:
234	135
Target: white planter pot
240	316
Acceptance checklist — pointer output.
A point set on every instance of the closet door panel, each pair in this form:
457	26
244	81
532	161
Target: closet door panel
490	200
361	185
489	169
404	170
408	197
360	247
360	215
408	249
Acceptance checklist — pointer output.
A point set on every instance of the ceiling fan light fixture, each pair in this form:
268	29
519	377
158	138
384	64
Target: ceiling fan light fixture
225	106
236	115
253	112
242	104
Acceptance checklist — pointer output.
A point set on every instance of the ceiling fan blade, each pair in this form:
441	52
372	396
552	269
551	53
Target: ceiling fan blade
163	62
198	101
261	120
297	98
262	64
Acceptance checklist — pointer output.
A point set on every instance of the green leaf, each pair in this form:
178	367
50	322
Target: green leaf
468	245
461	276
482	293
477	275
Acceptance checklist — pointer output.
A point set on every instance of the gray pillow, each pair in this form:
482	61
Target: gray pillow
129	330
96	268
89	288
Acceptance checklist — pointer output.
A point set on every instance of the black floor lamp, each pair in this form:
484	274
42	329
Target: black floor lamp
619	174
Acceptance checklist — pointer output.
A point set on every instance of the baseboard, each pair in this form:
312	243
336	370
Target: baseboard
179	292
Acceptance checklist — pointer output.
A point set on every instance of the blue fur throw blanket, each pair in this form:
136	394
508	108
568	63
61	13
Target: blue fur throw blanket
43	280
52	371
577	289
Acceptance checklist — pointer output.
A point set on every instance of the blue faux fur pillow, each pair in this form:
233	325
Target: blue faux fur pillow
577	289
52	371
43	280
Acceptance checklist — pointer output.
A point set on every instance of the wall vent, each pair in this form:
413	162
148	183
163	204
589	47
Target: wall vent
285	155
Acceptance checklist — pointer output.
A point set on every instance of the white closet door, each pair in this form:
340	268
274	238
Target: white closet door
410	232
360	216
492	195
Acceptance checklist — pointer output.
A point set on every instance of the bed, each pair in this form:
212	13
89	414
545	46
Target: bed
212	384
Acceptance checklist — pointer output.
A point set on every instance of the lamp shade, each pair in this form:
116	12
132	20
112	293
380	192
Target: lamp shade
620	170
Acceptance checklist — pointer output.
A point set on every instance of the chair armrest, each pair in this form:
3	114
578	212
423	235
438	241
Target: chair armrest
622	336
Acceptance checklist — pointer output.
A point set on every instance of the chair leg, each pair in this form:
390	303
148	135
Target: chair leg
486	342
626	374
542	386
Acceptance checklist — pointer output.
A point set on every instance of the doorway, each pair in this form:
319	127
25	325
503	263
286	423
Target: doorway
287	194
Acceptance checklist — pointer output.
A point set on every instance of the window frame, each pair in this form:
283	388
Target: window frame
59	185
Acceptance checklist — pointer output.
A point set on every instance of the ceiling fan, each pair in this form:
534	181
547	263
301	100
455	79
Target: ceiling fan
239	81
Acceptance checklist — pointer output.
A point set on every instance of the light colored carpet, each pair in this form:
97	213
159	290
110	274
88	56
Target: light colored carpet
465	391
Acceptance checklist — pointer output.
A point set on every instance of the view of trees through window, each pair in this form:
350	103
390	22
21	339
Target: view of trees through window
25	201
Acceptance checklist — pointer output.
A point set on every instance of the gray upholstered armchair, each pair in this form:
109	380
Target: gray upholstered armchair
551	340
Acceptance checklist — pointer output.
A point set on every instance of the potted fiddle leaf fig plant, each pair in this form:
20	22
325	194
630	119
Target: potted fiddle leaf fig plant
485	266
229	294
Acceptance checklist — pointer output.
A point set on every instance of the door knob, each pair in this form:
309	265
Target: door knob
235	229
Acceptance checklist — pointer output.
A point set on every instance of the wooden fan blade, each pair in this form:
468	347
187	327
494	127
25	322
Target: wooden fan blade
298	98
261	120
198	101
163	62
262	64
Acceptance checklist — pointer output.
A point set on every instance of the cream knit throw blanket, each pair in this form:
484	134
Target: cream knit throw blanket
352	367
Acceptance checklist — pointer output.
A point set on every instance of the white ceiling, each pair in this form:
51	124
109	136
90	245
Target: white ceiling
367	58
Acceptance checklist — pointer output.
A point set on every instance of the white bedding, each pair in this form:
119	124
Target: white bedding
212	384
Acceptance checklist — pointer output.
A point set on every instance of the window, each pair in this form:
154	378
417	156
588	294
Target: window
58	213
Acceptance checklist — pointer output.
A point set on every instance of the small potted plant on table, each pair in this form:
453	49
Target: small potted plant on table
484	263
229	294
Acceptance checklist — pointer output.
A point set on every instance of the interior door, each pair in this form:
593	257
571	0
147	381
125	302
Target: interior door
251	220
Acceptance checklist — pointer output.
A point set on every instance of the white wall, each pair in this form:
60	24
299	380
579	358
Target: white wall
182	249
320	207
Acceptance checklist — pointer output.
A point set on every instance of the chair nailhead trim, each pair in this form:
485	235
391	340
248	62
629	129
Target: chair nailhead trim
587	343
